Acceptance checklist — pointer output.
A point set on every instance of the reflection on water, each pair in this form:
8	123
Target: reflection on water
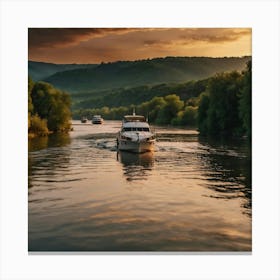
228	169
136	166
46	162
191	194
54	140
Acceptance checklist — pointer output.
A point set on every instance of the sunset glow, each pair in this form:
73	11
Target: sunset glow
95	45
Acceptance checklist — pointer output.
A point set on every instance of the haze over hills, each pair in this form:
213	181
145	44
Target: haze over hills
127	74
41	70
137	95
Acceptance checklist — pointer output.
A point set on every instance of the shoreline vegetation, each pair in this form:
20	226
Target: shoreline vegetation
48	109
218	106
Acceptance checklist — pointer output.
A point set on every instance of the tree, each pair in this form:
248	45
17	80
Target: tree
59	114
202	114
245	102
154	106
30	104
222	114
53	105
38	126
187	117
170	109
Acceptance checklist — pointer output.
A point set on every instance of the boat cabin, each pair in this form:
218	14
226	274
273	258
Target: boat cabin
134	118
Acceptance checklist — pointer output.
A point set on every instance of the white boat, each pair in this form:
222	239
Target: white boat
135	135
84	120
97	119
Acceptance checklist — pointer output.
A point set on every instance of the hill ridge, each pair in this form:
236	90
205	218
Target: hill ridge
126	74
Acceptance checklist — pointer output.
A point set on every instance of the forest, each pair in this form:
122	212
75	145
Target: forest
137	95
48	109
220	106
93	78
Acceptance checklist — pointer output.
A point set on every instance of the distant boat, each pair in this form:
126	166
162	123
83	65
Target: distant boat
135	135
84	120
97	119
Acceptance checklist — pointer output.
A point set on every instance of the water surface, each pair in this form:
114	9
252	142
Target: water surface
191	194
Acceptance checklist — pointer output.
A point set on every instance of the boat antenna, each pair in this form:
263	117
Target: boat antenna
133	111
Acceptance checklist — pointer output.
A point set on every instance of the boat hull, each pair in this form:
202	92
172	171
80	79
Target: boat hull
135	146
97	119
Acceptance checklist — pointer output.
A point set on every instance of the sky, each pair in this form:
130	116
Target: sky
96	45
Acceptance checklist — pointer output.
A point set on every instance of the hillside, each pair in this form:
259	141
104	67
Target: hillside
127	74
40	70
138	95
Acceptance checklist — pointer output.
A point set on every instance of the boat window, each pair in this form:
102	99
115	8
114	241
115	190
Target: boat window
136	129
134	119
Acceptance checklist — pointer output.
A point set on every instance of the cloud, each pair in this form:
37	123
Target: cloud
63	37
157	43
60	37
214	35
85	45
192	36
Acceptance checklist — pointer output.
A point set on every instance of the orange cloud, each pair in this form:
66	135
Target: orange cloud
214	35
93	45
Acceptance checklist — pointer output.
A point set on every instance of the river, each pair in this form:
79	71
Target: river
192	194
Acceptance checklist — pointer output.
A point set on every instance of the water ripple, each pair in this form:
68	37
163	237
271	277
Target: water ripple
189	195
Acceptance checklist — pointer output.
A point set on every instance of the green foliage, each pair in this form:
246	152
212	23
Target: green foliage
226	107
137	95
151	108
186	117
220	105
60	115
47	105
223	104
30	104
169	110
38	126
159	110
30	86
129	74
40	70
202	113
194	101
245	102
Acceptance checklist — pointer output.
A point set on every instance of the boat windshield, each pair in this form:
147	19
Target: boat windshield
134	118
136	129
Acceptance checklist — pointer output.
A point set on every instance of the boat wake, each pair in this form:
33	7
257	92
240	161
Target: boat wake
107	144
